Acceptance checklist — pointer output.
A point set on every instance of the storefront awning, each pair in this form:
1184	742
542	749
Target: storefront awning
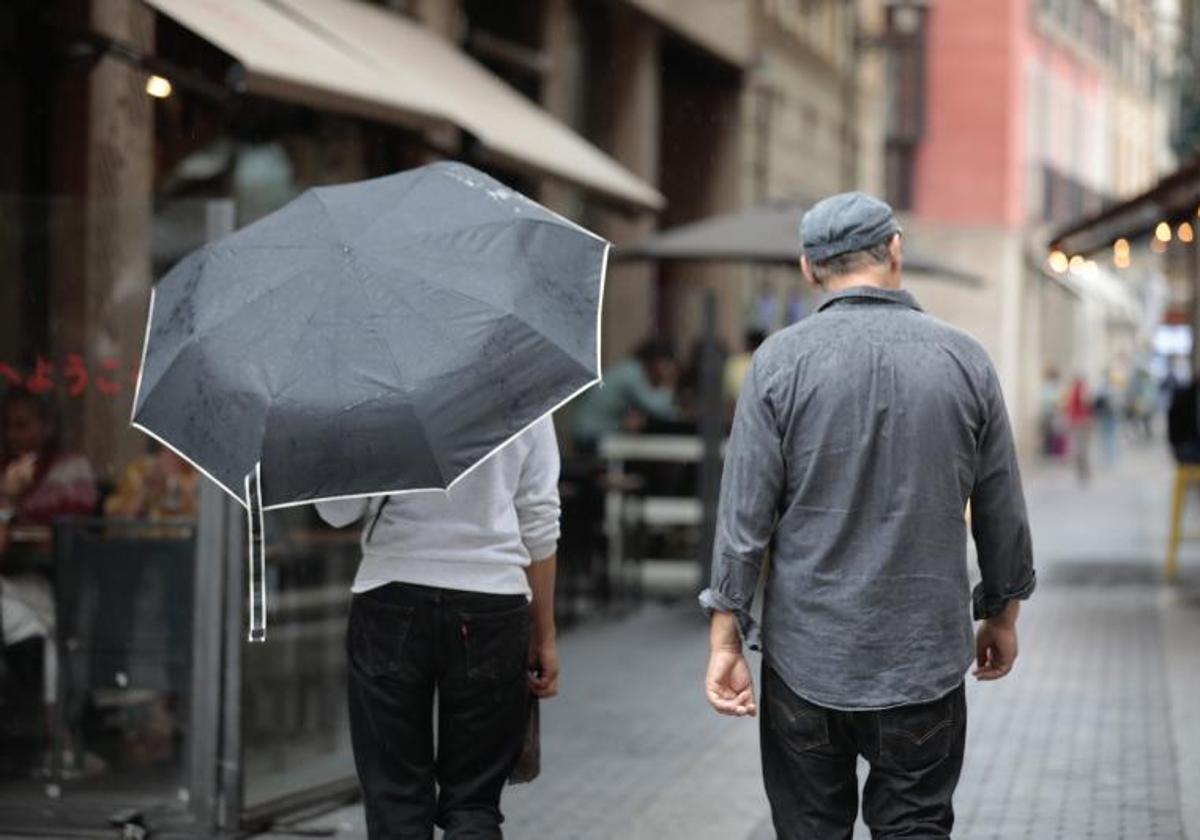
283	59
508	125
1175	198
765	234
344	55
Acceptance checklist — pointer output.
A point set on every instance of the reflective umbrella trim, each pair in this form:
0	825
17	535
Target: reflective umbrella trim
256	556
137	388
237	497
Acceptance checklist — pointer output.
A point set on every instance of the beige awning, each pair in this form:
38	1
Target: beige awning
507	124
283	59
346	56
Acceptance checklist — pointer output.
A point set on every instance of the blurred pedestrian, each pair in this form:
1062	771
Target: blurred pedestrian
1141	402
634	392
455	598
860	436
1053	424
1108	421
738	364
1079	421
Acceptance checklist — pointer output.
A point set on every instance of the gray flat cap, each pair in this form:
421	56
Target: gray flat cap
843	223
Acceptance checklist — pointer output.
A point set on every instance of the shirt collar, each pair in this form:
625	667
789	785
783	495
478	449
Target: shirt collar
856	294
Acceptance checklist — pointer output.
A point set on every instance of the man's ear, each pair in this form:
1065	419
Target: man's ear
806	270
897	252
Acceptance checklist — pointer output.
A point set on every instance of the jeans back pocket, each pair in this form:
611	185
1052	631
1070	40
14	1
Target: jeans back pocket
376	635
496	643
801	726
919	736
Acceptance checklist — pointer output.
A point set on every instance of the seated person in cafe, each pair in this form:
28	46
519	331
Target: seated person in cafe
39	483
634	393
159	486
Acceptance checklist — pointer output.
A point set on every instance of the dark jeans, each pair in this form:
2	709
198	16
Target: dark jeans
809	754
404	643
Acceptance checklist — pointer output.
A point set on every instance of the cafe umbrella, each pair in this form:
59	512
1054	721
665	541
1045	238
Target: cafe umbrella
378	337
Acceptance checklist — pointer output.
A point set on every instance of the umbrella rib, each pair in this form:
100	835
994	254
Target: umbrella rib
433	454
433	234
495	308
374	222
210	328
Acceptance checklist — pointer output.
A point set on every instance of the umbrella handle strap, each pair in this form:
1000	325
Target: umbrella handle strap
256	556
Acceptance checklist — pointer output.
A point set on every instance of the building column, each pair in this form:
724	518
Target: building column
560	93
628	129
100	275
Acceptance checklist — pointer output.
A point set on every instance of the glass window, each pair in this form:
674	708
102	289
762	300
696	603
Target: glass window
98	541
295	731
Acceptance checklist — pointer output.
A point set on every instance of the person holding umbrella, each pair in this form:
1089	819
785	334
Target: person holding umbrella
392	350
454	597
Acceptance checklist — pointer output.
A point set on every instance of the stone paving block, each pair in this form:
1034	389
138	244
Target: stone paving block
1080	742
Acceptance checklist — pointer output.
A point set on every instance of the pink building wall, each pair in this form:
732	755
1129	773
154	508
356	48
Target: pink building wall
968	161
974	163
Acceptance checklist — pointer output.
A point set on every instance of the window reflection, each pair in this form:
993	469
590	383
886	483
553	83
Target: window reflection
97	545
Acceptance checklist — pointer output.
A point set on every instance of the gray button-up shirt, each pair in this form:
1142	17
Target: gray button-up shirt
860	435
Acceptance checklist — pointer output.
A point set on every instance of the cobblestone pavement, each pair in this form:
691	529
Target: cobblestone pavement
1095	735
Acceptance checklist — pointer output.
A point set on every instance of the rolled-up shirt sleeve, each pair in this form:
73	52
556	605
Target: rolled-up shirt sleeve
537	501
999	521
750	488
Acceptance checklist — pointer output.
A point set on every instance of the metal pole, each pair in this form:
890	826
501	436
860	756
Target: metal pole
212	527
711	427
205	713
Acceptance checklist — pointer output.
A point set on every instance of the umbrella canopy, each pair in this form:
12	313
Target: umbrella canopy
375	337
765	233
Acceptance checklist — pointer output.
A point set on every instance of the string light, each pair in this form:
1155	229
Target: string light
1058	261
1163	232
1076	263
1121	246
158	87
1186	233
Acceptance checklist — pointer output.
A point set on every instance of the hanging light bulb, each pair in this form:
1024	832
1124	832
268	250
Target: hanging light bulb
1186	233
158	87
1163	232
1121	246
1058	261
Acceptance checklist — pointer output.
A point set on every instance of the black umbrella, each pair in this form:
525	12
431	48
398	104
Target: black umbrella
376	337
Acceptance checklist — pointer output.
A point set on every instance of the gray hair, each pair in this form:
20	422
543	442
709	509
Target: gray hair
851	262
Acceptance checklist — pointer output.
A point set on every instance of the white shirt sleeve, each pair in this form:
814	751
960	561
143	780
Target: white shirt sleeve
537	501
341	512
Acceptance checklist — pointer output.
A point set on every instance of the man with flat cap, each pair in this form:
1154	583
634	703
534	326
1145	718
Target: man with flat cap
861	434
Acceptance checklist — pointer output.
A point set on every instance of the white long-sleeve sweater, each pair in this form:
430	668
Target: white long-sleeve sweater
478	536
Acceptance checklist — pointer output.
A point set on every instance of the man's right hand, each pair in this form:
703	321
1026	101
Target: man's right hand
729	685
996	644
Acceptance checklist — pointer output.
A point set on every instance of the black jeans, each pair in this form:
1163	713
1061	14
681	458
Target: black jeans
809	755
405	642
